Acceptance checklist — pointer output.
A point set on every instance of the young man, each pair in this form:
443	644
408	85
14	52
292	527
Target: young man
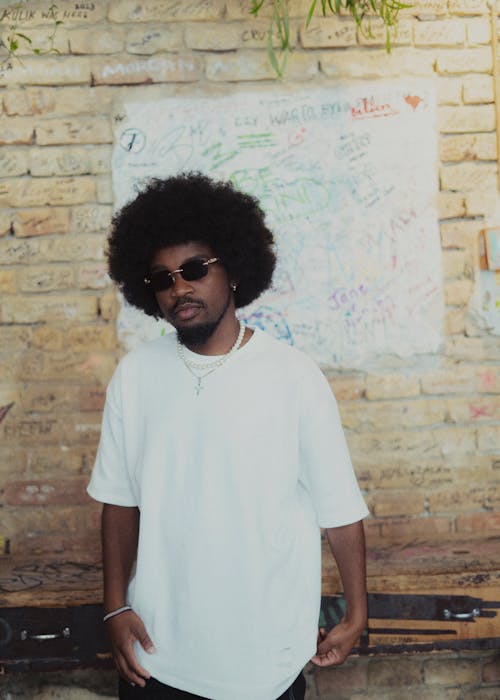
221	457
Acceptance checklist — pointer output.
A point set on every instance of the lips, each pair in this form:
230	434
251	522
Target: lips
185	312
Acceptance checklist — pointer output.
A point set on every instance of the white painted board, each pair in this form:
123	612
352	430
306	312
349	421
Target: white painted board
347	177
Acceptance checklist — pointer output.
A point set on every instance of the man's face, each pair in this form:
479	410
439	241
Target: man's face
195	308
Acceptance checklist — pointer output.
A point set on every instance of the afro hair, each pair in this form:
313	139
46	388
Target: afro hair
190	208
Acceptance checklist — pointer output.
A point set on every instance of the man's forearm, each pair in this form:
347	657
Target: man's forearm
120	534
348	548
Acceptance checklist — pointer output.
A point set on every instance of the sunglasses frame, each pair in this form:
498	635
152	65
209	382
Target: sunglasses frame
180	271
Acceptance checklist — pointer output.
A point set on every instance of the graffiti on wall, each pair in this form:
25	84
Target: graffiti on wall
347	177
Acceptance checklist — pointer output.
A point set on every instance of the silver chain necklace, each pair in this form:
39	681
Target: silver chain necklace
209	367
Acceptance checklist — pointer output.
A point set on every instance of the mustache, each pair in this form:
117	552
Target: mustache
187	301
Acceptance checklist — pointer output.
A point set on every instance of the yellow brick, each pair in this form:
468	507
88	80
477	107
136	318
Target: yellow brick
152	11
481	203
392	503
347	388
449	91
454	263
45	13
43	70
478	89
91	368
45	308
460	500
6	218
254	35
324	32
60	459
472	349
476	60
15	338
213	37
60	161
354	64
100	160
249	65
102	41
450	205
362	415
92	338
13	251
454	321
383	386
8	284
403	444
57	101
161	68
47	191
240	9
468	177
39	222
473	409
91	218
468	7
13	162
463	119
48	338
42	41
28	101
460	234
374	33
425	9
479	30
109	306
93	276
462	378
16	130
458	292
241	66
71	249
489	439
43	278
468	147
439	33
104	189
44	398
145	40
78	131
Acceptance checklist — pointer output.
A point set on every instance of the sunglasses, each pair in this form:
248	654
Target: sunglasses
192	270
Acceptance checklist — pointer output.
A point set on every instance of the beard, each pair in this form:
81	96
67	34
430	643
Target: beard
198	334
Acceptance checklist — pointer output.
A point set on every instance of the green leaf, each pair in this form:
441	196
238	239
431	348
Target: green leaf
311	12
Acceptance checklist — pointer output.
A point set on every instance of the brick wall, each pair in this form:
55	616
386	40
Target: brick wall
425	438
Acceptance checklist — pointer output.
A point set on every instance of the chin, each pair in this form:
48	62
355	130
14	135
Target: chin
197	334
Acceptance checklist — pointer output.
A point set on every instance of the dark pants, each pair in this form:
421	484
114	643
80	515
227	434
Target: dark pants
155	690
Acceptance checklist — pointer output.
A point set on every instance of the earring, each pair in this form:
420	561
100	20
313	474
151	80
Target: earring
233	286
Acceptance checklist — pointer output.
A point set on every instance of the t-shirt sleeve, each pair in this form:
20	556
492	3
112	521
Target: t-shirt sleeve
327	471
110	481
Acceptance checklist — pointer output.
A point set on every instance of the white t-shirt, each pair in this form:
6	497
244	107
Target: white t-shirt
233	485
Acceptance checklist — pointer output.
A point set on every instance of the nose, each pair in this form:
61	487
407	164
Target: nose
180	286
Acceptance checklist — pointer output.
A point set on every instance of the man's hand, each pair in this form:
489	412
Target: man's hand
334	648
124	630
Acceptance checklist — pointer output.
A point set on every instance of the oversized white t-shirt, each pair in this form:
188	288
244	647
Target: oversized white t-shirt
233	485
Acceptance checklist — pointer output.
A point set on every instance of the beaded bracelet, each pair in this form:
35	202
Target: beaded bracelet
116	612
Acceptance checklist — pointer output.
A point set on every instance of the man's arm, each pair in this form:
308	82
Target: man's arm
120	534
348	547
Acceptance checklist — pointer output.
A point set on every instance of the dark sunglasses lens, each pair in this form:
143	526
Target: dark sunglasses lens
194	270
161	280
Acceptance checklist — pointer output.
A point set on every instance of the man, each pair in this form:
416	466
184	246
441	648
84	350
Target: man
221	456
